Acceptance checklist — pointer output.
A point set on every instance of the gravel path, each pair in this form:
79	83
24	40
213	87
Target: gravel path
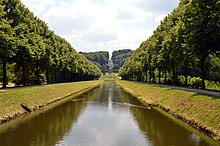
208	92
202	91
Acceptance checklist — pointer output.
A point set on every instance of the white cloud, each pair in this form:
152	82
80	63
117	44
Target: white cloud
93	25
38	6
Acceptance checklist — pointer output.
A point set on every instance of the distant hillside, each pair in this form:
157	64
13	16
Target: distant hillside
118	58
100	58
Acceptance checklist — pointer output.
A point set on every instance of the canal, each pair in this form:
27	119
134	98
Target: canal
105	116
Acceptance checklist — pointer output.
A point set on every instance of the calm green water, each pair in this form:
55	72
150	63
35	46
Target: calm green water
105	116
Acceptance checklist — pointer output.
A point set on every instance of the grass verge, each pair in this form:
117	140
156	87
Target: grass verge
110	76
198	110
37	97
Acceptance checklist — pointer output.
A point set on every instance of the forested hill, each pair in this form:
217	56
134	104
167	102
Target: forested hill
100	58
183	50
31	53
118	58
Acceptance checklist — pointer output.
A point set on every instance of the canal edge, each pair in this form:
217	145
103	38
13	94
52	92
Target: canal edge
19	114
167	112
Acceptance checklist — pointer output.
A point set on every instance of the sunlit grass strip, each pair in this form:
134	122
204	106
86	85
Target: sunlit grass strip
201	111
38	96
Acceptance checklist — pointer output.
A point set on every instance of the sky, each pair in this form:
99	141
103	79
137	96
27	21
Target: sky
102	25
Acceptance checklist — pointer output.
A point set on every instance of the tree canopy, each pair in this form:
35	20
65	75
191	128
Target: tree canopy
119	57
186	43
36	53
100	58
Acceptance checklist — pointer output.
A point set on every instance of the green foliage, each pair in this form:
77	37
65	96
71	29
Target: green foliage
213	68
186	43
38	54
195	82
119	57
211	85
100	59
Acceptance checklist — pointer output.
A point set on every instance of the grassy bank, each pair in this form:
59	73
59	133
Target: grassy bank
37	97
201	111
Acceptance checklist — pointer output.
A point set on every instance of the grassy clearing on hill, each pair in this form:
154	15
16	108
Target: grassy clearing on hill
37	96
201	111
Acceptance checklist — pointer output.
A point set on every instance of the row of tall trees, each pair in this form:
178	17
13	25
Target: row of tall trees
35	53
186	39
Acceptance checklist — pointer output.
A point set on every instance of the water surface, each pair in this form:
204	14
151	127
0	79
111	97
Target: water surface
105	116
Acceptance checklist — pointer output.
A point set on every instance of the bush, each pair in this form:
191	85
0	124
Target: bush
182	80
195	82
212	85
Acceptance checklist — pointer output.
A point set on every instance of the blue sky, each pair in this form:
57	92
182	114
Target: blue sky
102	25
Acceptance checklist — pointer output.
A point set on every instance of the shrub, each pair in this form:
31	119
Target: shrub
212	85
195	82
181	80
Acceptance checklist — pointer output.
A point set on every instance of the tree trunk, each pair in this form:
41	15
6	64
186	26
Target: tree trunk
186	72
4	70
159	74
64	78
203	72
27	76
153	76
146	76
142	76
174	75
37	74
47	75
150	75
23	74
165	74
72	77
55	76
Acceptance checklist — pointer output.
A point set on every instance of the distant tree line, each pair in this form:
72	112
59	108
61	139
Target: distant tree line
31	54
100	58
119	57
186	43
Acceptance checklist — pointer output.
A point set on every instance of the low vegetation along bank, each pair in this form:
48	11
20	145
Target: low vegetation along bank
19	101
198	110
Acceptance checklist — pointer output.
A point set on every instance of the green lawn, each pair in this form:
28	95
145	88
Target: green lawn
200	110
36	96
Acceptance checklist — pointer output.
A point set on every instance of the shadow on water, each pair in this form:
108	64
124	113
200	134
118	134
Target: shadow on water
163	131
47	128
104	116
